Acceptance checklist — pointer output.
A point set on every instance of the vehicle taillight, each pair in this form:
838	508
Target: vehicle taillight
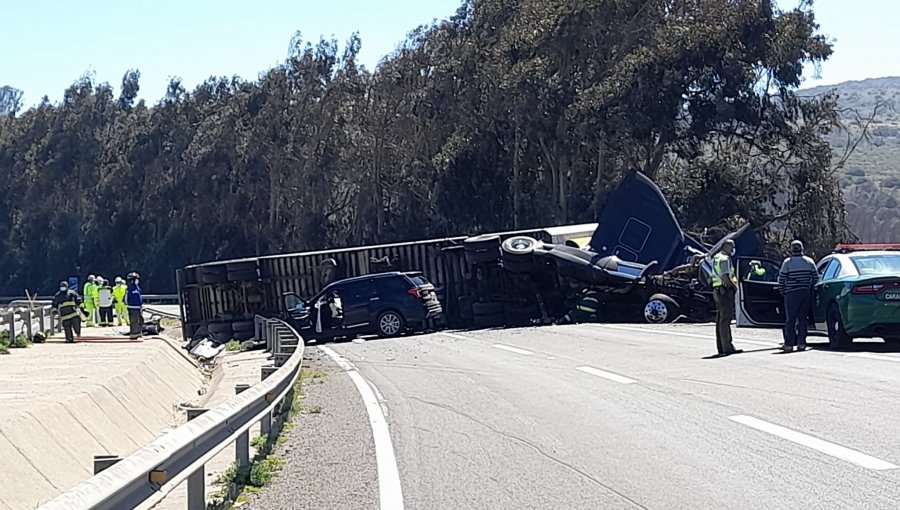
869	288
414	292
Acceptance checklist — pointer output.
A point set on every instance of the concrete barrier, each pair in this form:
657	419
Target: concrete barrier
60	405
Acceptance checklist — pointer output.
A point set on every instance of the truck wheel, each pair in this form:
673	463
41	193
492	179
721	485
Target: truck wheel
482	249
213	274
661	309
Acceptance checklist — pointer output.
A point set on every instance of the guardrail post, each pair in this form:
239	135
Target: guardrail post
41	323
102	462
11	319
267	371
242	443
28	328
196	482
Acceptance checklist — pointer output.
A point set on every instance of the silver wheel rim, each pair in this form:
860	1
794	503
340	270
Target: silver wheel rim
390	324
656	311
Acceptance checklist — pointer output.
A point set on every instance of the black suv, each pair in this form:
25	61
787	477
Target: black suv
386	304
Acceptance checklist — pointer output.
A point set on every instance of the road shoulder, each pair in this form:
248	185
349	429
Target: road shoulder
329	452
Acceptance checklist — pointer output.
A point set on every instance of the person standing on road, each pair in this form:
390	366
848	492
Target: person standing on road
119	292
796	280
105	302
89	303
724	283
135	302
67	303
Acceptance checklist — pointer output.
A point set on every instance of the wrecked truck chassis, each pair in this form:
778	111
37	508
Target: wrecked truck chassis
628	291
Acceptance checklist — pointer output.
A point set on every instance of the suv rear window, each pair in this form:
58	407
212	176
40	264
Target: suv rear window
418	280
393	285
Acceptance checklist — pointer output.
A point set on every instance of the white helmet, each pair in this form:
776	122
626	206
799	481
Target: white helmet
119	279
92	278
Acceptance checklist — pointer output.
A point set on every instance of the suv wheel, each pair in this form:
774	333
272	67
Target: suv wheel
390	323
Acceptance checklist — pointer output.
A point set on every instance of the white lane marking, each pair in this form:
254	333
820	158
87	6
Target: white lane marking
689	335
834	450
606	375
390	495
451	335
551	357
512	349
873	356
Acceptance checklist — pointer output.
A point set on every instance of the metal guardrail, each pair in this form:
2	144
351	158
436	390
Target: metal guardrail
29	321
145	477
159	299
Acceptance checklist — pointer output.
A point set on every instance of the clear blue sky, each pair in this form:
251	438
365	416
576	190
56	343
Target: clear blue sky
45	49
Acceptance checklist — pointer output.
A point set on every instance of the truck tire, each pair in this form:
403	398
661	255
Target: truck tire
242	326
243	275
487	309
518	265
213	274
661	309
519	246
490	321
221	331
243	335
482	249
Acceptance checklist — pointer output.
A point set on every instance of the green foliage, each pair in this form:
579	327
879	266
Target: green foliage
511	114
263	471
4	346
21	341
233	345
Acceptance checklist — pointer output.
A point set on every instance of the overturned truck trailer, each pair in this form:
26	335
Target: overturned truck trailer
637	255
224	296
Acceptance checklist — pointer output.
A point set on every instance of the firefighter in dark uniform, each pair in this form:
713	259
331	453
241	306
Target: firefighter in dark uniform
68	303
585	310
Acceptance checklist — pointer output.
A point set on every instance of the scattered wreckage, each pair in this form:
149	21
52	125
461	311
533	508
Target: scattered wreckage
639	259
645	267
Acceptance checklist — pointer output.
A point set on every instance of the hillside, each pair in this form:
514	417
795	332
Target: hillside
871	177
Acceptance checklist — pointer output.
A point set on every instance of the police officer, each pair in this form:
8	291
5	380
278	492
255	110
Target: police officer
724	283
135	302
68	303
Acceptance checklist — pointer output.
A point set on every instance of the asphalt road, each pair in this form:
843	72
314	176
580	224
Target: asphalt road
604	417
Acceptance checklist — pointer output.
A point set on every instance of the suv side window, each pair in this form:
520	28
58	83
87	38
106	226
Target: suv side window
357	291
393	285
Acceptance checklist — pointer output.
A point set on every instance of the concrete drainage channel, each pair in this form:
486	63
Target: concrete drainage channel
146	477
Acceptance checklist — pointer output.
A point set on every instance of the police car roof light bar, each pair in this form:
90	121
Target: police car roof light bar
845	248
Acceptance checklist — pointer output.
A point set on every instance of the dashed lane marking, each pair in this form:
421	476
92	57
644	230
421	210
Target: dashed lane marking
512	349
820	445
606	375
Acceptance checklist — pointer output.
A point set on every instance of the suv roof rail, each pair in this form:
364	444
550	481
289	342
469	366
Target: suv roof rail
849	248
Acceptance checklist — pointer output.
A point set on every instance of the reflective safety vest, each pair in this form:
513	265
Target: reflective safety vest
722	268
105	297
89	292
119	293
756	274
588	302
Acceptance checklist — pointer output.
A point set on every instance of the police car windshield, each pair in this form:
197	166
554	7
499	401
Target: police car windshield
887	264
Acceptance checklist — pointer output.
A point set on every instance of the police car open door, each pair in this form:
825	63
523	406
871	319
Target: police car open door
759	304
